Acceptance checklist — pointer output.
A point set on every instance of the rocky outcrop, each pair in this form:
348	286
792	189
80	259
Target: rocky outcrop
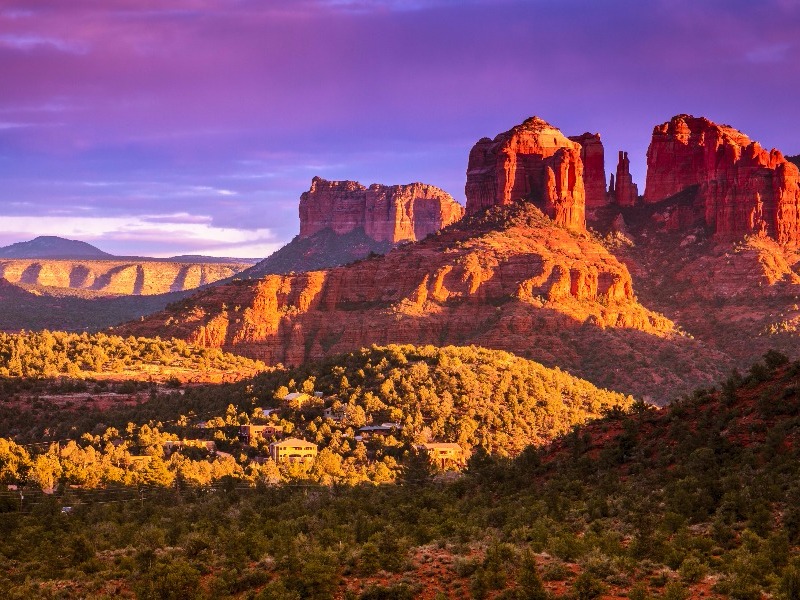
392	214
741	187
115	276
622	190
533	162
594	169
506	279
322	250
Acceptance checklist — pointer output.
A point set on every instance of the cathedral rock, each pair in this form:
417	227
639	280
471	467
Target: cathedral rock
740	187
535	162
393	214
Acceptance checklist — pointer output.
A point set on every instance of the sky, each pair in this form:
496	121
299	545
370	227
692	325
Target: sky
164	127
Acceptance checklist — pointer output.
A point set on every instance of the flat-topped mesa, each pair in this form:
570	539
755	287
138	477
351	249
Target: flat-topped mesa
394	214
594	169
535	162
741	187
622	190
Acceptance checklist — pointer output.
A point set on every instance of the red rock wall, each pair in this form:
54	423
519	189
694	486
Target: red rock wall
743	188
623	190
594	169
387	213
533	161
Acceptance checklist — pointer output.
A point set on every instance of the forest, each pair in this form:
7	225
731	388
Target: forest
471	396
698	499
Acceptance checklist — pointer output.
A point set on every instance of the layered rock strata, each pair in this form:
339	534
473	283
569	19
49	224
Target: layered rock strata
533	162
116	276
741	187
506	279
392	214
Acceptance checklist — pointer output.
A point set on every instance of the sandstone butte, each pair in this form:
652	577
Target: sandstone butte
392	214
534	162
506	278
343	221
116	276
741	188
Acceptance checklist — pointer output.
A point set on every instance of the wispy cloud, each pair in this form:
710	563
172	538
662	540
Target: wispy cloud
773	53
30	42
120	235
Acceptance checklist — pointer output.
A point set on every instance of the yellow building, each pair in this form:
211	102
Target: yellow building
444	454
292	449
249	433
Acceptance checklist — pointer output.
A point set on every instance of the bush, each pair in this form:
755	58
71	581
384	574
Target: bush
587	587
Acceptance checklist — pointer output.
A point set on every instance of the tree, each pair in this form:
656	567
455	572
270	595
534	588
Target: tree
530	583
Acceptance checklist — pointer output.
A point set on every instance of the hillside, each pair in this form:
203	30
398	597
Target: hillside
696	500
508	279
470	396
321	250
740	298
49	246
72	310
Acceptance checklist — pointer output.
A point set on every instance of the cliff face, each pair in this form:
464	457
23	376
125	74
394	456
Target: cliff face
506	279
535	162
594	169
741	187
391	214
622	190
115	276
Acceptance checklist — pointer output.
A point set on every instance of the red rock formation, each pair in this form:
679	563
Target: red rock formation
594	169
506	279
742	188
533	161
622	189
392	214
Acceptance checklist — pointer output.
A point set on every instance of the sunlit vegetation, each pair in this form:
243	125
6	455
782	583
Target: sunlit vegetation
477	398
52	354
699	499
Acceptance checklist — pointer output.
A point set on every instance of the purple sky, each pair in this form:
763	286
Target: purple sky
192	126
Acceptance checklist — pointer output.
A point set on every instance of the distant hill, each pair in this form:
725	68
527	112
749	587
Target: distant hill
50	246
322	250
72	310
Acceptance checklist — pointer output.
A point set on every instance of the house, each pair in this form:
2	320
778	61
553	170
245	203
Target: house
171	446
296	398
382	430
444	454
292	449
336	415
249	433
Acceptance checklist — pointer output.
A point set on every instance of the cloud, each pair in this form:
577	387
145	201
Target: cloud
773	53
127	235
30	42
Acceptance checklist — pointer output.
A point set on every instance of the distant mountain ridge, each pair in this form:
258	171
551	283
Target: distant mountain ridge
55	247
51	246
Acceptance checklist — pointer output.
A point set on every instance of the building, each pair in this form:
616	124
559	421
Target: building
334	414
297	399
249	433
444	454
292	449
171	446
382	430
